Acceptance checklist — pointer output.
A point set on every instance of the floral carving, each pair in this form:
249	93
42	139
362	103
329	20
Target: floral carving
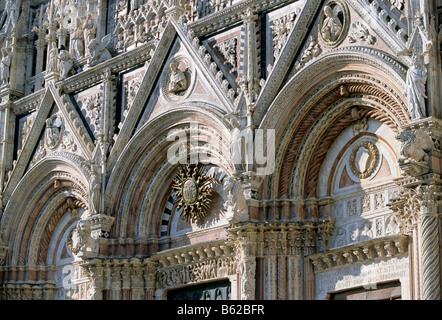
361	33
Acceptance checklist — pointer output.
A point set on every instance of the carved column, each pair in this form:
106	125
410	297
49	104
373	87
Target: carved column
309	277
429	243
294	265
270	267
416	210
116	282
149	279
137	280
125	273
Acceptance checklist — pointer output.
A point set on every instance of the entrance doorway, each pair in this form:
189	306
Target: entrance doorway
385	291
219	290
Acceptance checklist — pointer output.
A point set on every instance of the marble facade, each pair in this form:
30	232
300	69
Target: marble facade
316	128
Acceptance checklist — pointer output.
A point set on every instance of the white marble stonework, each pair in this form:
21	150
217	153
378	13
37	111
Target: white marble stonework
365	275
111	109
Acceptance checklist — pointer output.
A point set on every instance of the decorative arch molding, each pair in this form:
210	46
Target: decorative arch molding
151	191
328	136
328	69
315	116
137	191
40	192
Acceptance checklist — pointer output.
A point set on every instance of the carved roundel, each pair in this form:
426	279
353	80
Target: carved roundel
178	79
54	131
334	22
364	159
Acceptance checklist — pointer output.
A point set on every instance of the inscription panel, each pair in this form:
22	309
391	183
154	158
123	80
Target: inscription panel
365	275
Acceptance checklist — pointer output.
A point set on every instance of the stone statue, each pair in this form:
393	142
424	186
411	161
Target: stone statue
52	65
416	80
4	67
65	64
331	26
77	40
81	242
177	80
235	205
89	29
415	146
95	191
99	52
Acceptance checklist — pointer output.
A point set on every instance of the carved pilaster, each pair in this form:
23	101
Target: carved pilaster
149	279
244	239
94	270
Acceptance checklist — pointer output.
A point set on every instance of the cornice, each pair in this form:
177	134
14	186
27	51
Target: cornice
360	253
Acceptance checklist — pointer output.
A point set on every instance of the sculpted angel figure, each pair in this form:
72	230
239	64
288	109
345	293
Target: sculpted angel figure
177	81
332	26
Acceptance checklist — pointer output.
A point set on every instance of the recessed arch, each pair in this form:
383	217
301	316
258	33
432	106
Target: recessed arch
304	99
137	197
35	202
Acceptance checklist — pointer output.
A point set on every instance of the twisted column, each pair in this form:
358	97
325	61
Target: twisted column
429	238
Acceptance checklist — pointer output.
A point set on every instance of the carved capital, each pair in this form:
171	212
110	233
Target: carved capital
100	225
3	252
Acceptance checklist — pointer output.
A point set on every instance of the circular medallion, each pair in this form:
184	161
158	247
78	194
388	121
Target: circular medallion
54	131
177	79
364	159
334	23
190	191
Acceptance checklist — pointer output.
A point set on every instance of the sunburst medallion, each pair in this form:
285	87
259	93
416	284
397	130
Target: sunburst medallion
192	189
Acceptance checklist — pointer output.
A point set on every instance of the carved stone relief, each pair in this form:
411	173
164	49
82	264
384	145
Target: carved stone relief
178	78
334	23
364	159
228	50
54	131
361	33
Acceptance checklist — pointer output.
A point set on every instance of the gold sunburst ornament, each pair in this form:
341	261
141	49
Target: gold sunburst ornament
192	189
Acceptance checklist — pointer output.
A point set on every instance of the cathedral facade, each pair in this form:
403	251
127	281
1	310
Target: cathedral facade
220	149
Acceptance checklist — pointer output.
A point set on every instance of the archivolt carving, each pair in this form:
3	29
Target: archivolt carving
305	120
